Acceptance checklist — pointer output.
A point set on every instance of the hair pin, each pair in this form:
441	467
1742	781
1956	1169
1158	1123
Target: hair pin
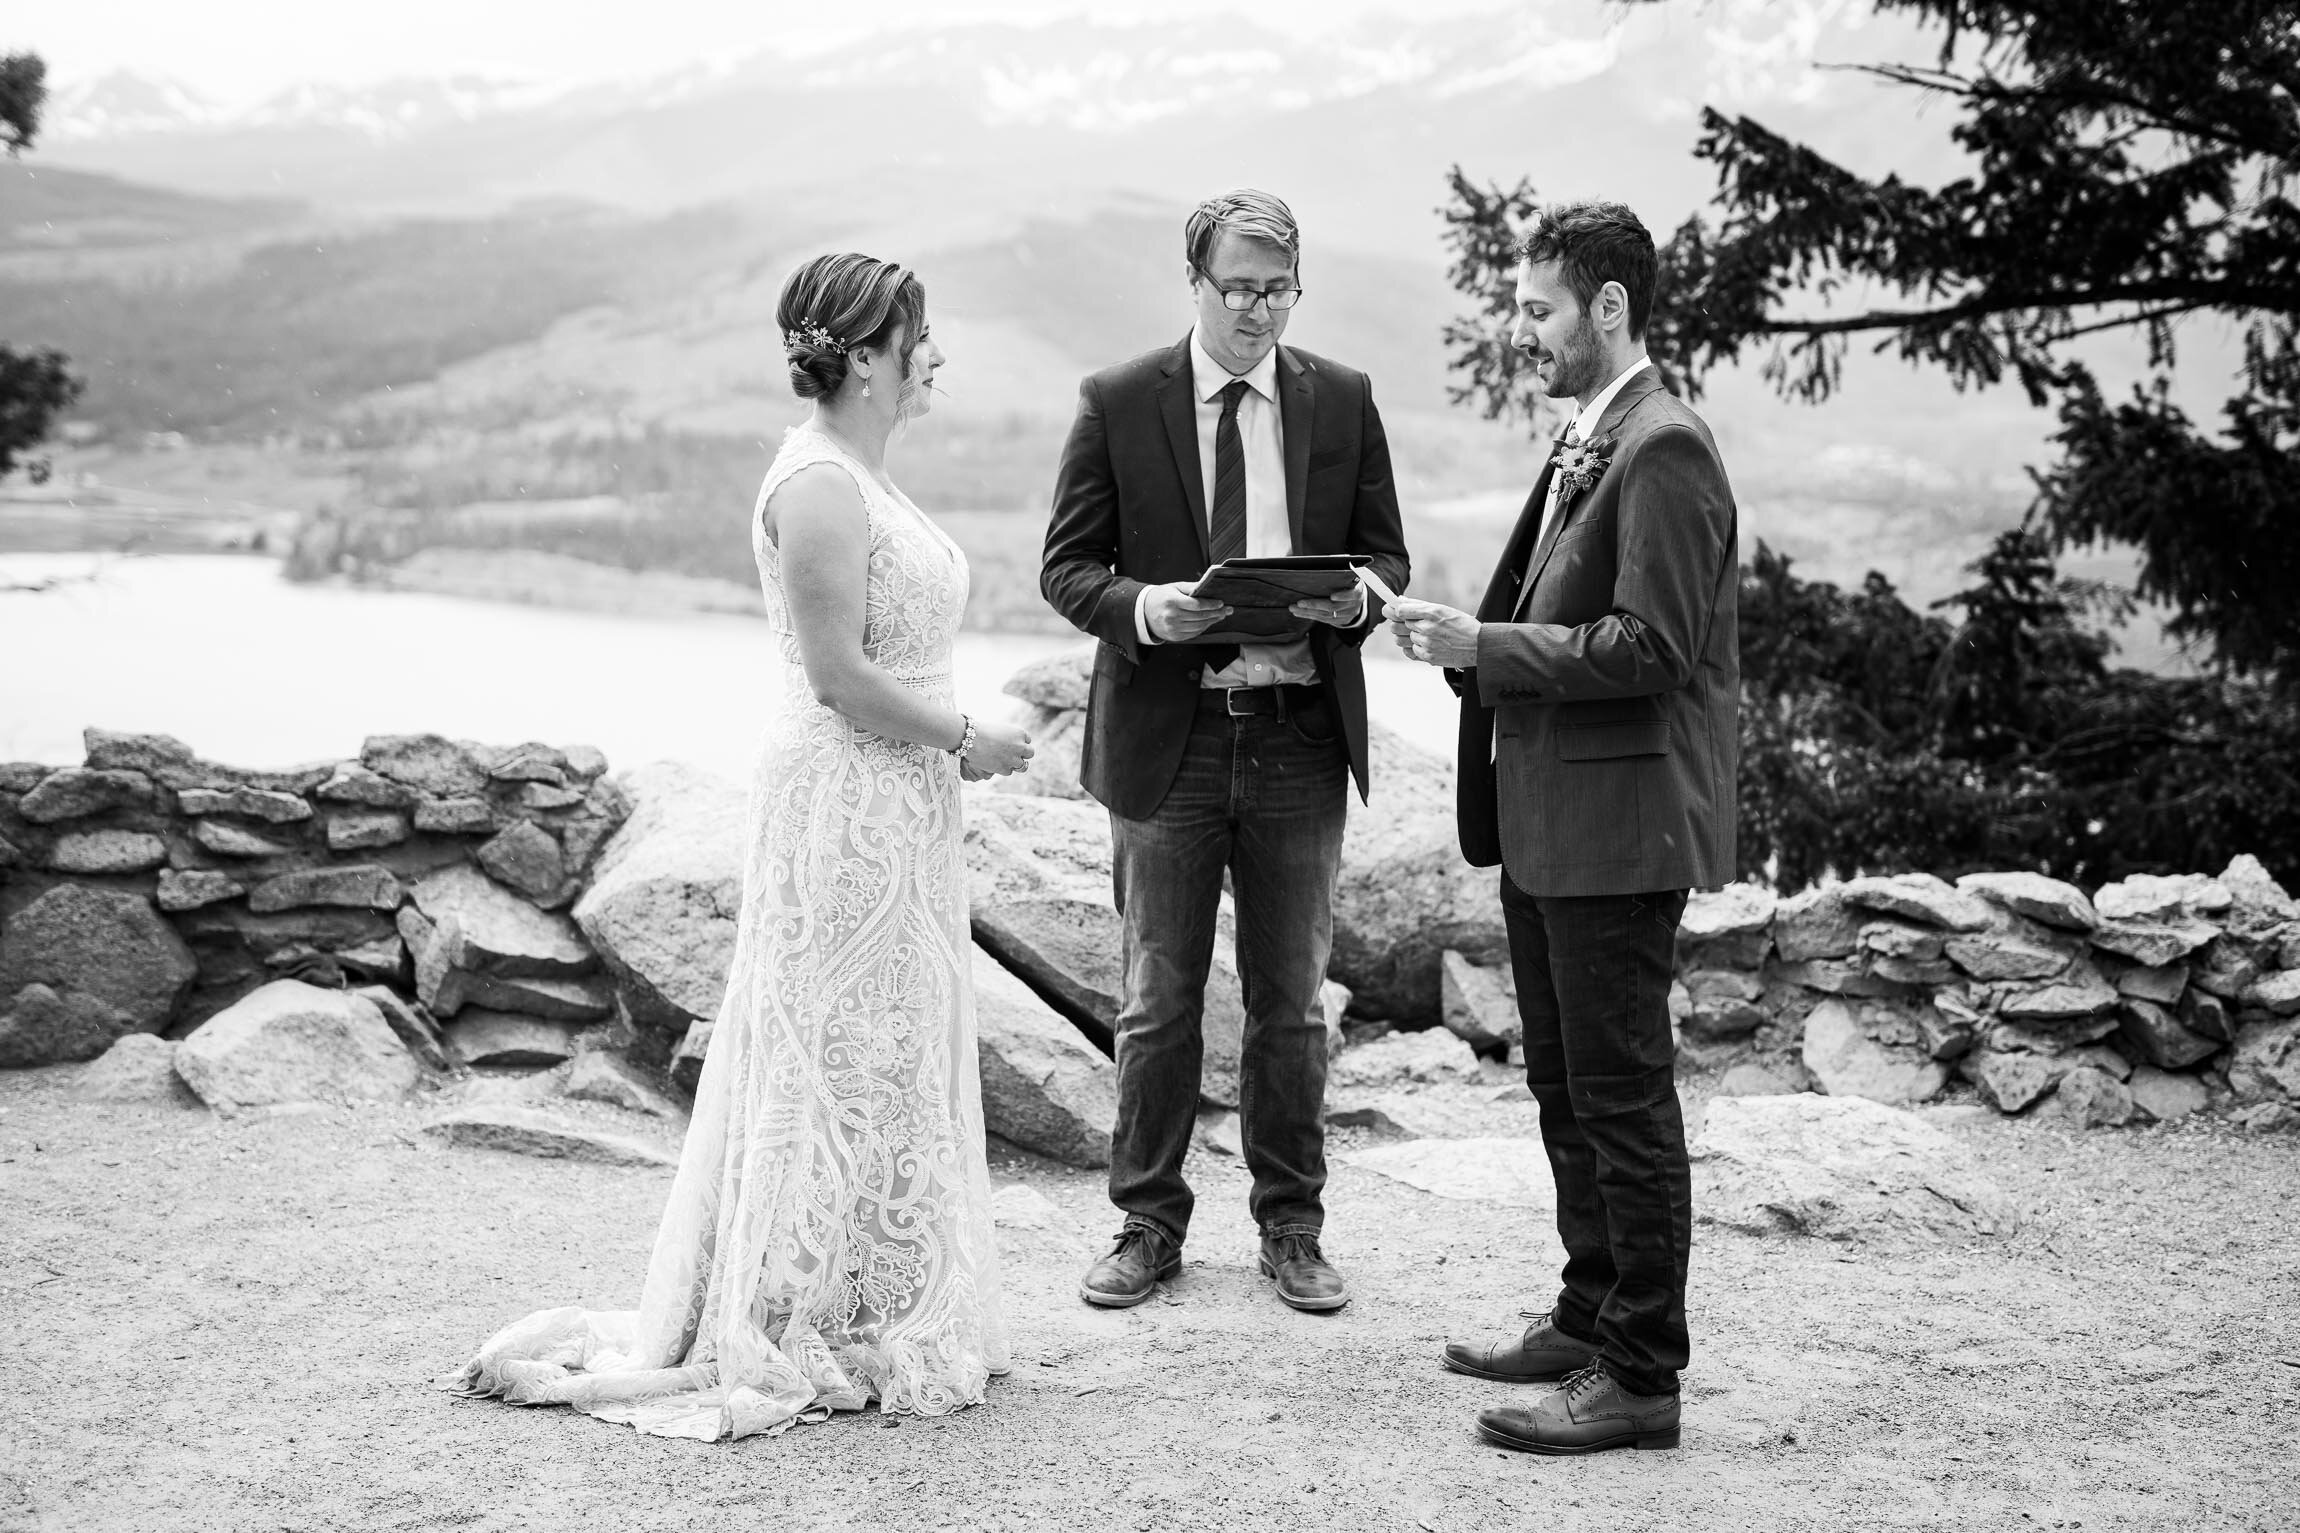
811	337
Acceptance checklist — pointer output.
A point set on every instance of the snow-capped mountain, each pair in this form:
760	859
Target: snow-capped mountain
1079	74
1357	123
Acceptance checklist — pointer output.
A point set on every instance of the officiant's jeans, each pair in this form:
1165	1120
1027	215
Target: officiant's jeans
1263	796
1593	979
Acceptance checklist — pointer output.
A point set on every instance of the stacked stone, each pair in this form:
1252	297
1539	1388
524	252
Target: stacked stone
148	889
2154	998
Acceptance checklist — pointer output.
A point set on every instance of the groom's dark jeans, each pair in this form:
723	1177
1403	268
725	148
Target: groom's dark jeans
1593	979
1263	796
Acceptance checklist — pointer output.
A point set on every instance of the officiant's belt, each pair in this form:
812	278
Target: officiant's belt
1285	698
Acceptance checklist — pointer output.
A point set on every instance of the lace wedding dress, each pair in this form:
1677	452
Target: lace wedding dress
828	1238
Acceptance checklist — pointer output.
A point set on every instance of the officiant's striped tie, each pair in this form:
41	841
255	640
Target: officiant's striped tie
1226	529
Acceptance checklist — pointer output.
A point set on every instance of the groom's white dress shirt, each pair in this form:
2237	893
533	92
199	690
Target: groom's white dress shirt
1584	425
1268	532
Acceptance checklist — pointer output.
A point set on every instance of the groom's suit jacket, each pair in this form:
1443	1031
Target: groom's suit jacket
1130	510
1600	725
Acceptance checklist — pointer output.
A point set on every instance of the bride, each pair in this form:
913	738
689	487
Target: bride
828	1237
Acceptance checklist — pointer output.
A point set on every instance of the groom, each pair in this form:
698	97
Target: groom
1217	757
1599	681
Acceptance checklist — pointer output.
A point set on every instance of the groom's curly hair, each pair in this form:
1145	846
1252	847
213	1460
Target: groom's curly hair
1594	243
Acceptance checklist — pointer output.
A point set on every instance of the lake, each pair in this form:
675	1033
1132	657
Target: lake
247	668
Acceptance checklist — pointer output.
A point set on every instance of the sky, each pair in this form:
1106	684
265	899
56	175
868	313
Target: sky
240	51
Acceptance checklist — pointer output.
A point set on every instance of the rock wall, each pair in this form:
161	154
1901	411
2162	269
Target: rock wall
147	890
2151	999
512	906
2154	997
370	929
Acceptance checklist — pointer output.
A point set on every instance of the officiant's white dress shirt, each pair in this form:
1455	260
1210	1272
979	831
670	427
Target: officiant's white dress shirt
1269	534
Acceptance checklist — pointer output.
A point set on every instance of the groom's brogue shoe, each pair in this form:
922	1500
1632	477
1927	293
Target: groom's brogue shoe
1304	1277
1589	1413
1143	1257
1543	1355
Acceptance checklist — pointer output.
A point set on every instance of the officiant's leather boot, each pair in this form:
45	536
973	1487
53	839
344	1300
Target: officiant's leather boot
1543	1355
1304	1278
1143	1257
1589	1413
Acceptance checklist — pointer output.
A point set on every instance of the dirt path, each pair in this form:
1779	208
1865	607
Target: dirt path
229	1325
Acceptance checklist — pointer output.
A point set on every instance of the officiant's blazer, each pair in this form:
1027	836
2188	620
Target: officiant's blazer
1600	725
1130	510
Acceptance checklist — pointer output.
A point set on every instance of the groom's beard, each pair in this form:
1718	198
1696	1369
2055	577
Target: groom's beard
1575	365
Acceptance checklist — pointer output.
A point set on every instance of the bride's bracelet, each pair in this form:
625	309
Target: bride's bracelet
965	739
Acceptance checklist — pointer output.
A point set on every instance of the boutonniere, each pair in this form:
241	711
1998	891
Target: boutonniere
1579	464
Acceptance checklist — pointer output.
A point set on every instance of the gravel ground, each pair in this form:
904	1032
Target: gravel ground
231	1324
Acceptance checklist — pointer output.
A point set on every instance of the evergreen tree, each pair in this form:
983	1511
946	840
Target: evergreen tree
35	386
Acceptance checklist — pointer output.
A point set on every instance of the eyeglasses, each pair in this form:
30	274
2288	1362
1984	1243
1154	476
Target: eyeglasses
1239	299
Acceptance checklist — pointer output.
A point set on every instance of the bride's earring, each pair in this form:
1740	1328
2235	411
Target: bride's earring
866	389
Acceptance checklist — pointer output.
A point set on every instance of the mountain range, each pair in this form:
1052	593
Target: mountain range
440	274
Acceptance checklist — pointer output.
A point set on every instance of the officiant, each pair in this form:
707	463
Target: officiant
1220	744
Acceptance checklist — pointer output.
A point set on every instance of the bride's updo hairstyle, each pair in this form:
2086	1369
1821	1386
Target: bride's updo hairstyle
835	303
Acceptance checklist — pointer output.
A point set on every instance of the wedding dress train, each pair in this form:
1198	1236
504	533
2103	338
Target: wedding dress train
828	1237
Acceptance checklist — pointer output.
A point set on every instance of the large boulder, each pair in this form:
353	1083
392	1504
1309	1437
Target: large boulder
532	1131
2078	991
1070	950
2011	1079
1481	1004
1722	1004
2164	1096
2090	1098
1919	897
1043	1086
2012	947
600	1076
293	1042
2258	903
1841	1168
1849	1063
138	1068
2158	1036
483	1037
2153	940
1816	925
1038	871
665	895
528	858
1404	895
2157	896
1429	1057
79	967
1514	1173
2043	899
1728	928
2264	1063
2278	993
107	852
1060	683
430	764
473	941
72	793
